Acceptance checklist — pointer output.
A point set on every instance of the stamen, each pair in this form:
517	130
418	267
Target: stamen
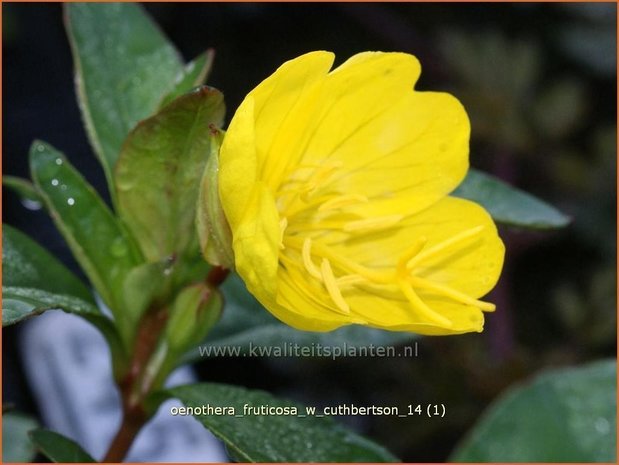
421	307
434	250
350	280
342	201
307	259
331	285
452	293
317	179
306	191
353	267
373	223
411	252
283	224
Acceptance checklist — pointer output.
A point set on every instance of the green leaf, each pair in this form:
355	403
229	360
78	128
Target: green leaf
34	282
124	66
194	75
16	445
98	242
276	438
24	188
509	205
19	303
159	171
566	415
26	264
245	321
59	448
143	284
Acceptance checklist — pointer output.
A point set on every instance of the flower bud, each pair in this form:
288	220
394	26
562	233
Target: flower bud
192	315
213	229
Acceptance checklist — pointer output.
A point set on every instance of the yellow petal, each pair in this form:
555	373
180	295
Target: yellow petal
256	241
284	105
405	149
465	319
471	265
306	305
417	153
238	164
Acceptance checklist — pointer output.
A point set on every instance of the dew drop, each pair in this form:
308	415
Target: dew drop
55	182
71	201
59	161
40	148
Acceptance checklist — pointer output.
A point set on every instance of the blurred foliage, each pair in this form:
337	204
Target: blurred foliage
58	448
501	83
16	445
590	35
562	416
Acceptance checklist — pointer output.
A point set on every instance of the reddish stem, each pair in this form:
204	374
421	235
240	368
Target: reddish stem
131	425
217	276
132	393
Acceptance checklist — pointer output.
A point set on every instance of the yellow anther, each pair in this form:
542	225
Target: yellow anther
373	223
350	266
342	201
376	276
307	259
332	289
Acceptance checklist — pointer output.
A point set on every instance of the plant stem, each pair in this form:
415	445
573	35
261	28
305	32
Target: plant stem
131	425
132	390
217	275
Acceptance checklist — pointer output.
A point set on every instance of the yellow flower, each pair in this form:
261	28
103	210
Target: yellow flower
335	186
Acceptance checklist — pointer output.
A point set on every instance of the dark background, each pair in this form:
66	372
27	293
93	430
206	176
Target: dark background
539	82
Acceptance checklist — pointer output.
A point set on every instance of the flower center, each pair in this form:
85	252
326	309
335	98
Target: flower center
310	206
